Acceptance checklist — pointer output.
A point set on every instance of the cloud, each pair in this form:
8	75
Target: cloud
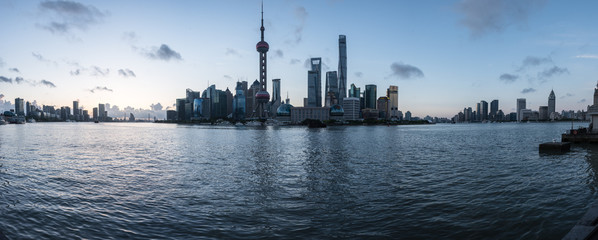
528	90
301	15
232	52
76	72
156	107
227	77
359	74
47	83
547	73
14	70
531	61
126	73
98	88
1	96
590	56
278	54
508	78
41	58
1	63
485	16
405	71
582	101
66	15
164	53
5	79
100	72
294	61
129	37
19	80
567	95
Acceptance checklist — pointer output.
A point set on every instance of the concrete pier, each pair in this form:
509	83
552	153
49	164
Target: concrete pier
587	226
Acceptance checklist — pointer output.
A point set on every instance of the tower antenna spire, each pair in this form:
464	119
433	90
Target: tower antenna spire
262	28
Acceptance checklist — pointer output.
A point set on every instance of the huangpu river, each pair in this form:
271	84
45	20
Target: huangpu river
168	181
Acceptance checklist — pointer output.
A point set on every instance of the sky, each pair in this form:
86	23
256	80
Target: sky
443	55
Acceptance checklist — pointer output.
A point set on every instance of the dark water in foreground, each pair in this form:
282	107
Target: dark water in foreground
123	181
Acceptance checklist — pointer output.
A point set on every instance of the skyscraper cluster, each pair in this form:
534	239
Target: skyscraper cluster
28	110
481	113
522	113
254	102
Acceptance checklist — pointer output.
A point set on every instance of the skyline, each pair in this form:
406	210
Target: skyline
103	52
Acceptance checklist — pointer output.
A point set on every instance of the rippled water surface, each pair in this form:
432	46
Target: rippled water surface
143	180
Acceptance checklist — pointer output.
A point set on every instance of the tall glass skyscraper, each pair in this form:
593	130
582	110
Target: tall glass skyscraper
370	96
393	97
354	91
520	106
484	113
276	91
551	102
239	109
493	109
342	67
332	94
19	107
314	83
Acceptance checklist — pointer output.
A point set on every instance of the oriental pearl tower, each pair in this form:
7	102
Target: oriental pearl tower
262	96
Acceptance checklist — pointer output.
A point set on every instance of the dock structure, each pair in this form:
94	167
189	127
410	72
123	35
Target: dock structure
555	147
580	138
587	226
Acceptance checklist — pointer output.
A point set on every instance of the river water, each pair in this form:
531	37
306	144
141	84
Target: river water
167	181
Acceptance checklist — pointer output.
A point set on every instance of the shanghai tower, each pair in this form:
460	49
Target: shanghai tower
342	68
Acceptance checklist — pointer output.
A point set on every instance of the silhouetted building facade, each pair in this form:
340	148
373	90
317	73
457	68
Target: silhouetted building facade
342	68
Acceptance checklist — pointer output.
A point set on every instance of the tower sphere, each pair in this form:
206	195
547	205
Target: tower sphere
262	96
262	46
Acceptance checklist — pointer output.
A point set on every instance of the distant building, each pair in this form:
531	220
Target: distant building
408	116
76	110
478	115
369	96
484	109
96	115
551	102
229	102
314	83
250	103
526	115
393	97
131	117
351	107
369	113
85	115
298	114
593	112
19	107
332	94
342	68
180	109
493	110
239	108
276	98
543	113
171	115
520	106
102	112
383	105
354	91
